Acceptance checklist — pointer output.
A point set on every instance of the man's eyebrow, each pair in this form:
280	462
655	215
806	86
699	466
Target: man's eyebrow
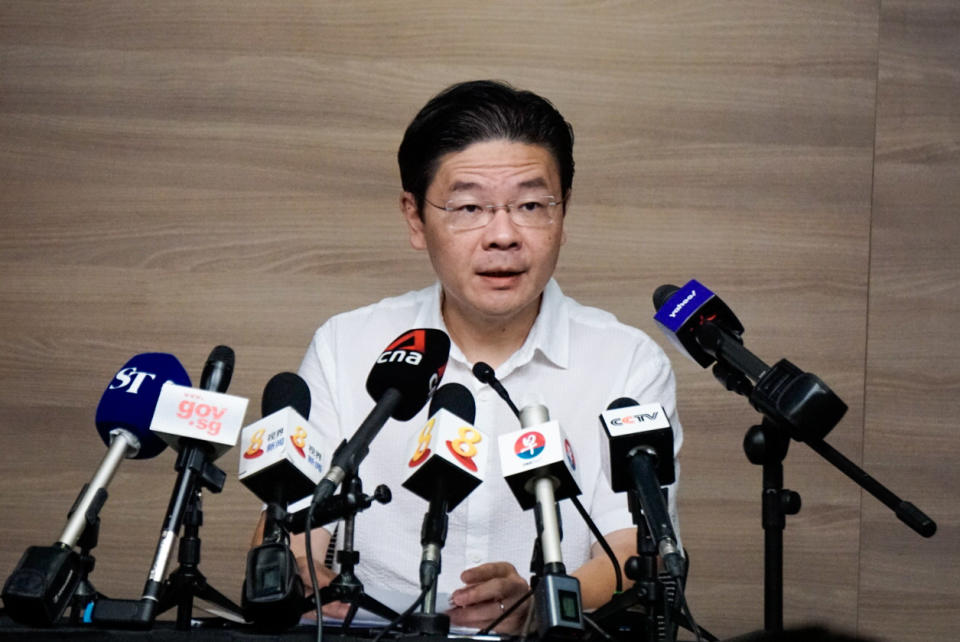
466	186
462	186
534	182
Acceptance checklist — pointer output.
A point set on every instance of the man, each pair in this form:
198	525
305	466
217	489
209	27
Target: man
486	173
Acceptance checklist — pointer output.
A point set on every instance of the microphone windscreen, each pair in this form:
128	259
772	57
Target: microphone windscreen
622	402
413	365
483	372
283	390
218	370
456	398
661	294
130	399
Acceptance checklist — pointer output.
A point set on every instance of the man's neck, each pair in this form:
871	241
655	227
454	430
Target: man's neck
489	340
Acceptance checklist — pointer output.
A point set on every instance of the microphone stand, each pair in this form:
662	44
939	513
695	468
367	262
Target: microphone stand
187	582
195	471
797	405
48	579
347	587
433	535
85	592
766	446
273	595
648	591
556	595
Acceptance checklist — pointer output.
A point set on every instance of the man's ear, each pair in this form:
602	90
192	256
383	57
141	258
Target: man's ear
566	208
408	207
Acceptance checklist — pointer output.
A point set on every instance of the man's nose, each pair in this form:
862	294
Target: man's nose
501	231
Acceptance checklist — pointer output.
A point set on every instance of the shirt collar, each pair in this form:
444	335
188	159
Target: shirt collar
549	336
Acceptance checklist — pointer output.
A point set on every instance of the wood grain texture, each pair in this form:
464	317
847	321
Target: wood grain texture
911	439
178	175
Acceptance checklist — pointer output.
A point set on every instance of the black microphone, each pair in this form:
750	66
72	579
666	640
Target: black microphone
799	402
203	418
700	324
706	330
628	425
195	469
638	458
485	374
447	457
218	370
281	464
401	381
282	461
47	577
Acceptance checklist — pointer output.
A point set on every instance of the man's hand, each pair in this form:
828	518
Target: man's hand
489	590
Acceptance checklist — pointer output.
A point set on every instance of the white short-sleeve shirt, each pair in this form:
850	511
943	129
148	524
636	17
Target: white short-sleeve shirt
575	361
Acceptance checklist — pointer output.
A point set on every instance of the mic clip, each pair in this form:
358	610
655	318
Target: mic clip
347	503
194	456
800	402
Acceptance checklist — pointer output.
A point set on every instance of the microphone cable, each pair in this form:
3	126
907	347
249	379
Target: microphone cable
485	374
313	573
413	607
506	613
600	540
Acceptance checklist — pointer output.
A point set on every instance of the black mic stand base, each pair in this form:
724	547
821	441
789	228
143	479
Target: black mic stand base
429	623
182	587
48	579
187	582
346	587
179	589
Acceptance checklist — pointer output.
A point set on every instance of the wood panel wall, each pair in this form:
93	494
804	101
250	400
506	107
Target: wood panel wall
175	175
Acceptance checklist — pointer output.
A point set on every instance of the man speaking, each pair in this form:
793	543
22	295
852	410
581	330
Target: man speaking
487	172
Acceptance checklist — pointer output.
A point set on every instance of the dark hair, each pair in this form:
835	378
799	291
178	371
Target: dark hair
477	111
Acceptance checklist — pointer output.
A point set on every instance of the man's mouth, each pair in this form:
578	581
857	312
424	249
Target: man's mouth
500	274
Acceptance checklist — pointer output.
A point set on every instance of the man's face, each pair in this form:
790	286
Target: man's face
494	273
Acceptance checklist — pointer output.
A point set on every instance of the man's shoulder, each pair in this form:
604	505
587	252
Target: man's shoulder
593	318
377	322
593	326
406	305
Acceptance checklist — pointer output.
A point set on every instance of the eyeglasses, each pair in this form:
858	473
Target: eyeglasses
468	213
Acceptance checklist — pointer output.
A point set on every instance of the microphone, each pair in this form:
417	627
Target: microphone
683	313
704	328
201	424
401	381
539	466
203	418
447	457
210	420
218	370
485	374
46	578
539	449
281	463
627	426
799	402
639	459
